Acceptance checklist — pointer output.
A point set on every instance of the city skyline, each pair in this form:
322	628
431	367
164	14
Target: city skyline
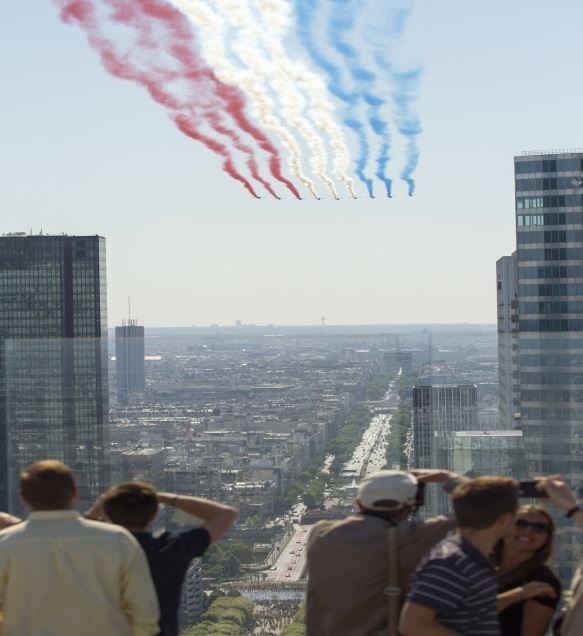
90	154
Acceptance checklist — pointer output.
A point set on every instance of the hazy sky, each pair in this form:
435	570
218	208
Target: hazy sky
85	153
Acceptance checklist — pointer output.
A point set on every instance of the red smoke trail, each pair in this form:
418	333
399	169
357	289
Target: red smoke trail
181	48
139	15
81	11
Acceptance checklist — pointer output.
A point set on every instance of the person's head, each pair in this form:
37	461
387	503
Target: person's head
530	538
48	485
486	503
131	504
388	493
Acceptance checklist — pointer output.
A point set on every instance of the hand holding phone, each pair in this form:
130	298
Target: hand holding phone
528	490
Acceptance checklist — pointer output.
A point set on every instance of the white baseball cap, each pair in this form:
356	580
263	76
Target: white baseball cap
388	490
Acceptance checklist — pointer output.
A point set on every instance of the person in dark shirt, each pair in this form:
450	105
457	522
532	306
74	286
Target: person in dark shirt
521	557
134	505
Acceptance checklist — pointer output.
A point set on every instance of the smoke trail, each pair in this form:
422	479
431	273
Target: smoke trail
404	85
119	65
343	22
306	14
276	18
179	46
274	67
213	41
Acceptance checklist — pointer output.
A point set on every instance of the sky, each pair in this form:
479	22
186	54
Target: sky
85	153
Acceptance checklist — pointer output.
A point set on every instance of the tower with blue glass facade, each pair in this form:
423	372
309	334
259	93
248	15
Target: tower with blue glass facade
549	274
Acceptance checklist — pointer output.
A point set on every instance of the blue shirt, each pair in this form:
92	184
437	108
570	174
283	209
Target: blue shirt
459	582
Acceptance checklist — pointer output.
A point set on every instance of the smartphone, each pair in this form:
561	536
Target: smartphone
528	490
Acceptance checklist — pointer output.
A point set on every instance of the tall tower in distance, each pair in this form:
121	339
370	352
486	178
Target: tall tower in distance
53	360
130	369
549	248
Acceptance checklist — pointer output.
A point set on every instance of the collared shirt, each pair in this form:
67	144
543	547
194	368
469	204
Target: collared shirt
459	582
62	575
347	566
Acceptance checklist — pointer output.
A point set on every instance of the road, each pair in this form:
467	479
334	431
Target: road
291	563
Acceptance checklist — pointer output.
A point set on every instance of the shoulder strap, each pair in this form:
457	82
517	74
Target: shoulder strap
393	591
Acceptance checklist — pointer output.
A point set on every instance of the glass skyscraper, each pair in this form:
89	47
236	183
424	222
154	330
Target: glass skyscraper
549	258
53	360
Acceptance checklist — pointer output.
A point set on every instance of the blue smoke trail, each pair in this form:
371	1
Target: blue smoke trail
405	86
305	11
366	83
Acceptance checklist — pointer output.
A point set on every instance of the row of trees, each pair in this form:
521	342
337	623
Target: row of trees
348	438
400	423
223	560
226	616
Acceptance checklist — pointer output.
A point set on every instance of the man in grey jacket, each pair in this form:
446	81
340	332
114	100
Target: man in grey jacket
347	559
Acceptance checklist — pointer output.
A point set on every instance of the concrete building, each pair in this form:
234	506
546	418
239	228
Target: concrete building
507	322
130	370
549	248
145	464
53	360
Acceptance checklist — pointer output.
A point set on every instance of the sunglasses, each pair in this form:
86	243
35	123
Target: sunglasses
536	526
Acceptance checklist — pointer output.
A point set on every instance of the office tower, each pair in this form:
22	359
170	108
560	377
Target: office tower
53	360
507	296
549	242
439	410
129	362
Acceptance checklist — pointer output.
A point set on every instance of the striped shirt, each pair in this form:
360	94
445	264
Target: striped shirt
458	581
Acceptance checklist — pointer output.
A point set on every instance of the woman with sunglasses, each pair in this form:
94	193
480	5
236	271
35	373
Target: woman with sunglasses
521	557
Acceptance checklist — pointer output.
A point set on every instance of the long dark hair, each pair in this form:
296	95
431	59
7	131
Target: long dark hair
520	573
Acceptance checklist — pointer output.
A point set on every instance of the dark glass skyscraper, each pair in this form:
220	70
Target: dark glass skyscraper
549	257
53	359
129	361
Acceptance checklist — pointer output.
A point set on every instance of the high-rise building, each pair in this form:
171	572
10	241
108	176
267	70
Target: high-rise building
53	360
507	296
129	361
439	410
549	249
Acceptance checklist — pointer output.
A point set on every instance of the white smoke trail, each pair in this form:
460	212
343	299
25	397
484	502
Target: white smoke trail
276	17
213	43
284	76
249	37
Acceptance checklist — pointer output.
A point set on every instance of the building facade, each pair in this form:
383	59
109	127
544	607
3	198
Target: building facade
53	360
130	369
440	408
438	411
507	322
549	248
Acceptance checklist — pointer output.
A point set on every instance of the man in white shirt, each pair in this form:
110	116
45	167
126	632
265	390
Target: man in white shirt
61	574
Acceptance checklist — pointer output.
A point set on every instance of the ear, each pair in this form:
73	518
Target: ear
359	505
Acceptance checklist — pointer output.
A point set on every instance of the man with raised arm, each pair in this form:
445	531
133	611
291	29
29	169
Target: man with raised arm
134	505
62	574
347	559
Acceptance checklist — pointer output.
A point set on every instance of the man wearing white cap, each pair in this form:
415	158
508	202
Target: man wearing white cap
348	559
